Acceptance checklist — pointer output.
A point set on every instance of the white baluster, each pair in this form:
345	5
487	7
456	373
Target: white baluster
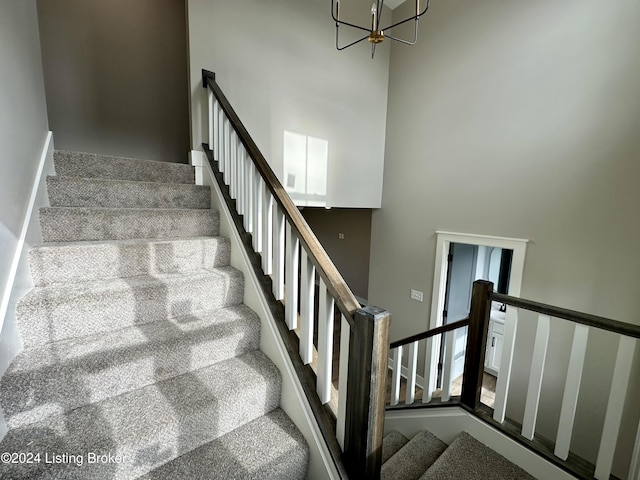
291	280
615	406
448	364
430	371
257	211
223	144
248	188
504	376
307	294
571	391
250	194
396	375
227	150
412	364
220	145
325	343
240	180
535	377
267	232
233	160
343	375
278	253
216	131
210	115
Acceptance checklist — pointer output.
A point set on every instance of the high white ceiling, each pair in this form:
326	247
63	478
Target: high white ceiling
393	3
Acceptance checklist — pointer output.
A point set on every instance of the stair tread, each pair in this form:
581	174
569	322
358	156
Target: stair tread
60	224
467	457
154	424
67	191
83	164
81	261
52	313
124	241
268	447
414	458
49	292
109	364
125	211
391	443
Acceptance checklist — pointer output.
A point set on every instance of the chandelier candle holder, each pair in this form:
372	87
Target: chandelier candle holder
375	34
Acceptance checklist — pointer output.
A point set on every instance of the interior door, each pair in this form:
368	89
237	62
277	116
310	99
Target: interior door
460	276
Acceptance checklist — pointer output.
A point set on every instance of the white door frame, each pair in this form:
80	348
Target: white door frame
443	241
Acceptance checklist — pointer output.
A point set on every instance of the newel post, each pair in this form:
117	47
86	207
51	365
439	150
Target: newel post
476	343
366	391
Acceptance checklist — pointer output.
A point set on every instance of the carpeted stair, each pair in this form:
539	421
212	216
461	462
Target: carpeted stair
139	353
426	457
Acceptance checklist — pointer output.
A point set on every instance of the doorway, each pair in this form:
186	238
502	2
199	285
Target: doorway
510	281
467	263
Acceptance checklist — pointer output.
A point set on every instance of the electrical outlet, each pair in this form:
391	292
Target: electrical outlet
416	295
341	236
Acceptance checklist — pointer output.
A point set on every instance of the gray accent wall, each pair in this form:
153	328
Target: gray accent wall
23	132
521	119
116	76
277	64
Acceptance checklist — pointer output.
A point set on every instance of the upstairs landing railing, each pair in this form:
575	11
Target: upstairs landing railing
288	259
422	346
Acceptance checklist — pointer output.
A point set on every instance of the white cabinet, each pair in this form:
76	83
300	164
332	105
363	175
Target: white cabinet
495	340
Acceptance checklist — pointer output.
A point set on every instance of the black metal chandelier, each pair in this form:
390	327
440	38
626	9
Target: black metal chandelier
375	34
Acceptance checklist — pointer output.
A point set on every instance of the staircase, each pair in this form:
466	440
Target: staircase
426	457
140	359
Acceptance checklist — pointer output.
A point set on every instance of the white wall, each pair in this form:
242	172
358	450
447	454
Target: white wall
277	64
520	120
23	133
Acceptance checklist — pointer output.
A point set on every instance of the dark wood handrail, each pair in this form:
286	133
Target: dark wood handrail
603	323
430	333
345	299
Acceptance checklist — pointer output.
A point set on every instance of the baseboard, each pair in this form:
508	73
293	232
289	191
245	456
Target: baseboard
293	400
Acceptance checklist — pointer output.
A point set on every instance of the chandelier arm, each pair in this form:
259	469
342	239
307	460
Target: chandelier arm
351	44
406	42
414	17
340	22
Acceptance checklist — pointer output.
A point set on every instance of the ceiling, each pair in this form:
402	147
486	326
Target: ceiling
393	3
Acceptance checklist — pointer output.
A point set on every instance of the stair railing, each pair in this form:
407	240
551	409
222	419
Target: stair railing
287	258
557	452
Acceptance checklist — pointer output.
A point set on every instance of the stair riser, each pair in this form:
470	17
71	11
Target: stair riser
103	261
121	362
152	425
89	165
48	318
75	224
82	192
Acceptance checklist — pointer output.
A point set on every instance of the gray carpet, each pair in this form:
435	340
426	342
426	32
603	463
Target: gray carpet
425	457
413	459
138	345
391	443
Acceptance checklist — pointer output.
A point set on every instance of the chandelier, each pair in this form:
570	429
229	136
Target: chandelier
375	34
